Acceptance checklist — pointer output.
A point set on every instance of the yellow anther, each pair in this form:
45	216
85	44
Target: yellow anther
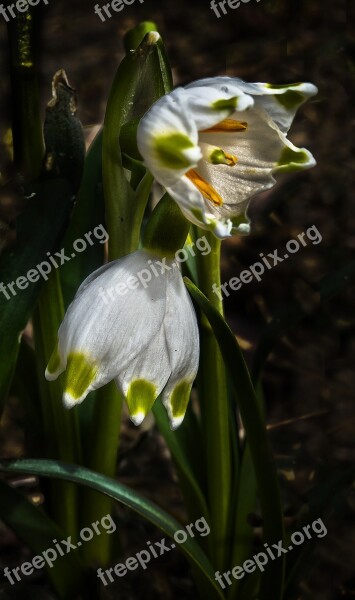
228	125
204	187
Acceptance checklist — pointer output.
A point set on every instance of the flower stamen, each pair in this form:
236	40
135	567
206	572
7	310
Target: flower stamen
217	156
228	125
226	159
204	187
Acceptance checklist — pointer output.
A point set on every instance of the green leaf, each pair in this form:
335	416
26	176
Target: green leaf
131	499
40	229
126	197
272	578
38	531
245	503
175	441
88	214
41	226
134	36
60	425
25	387
142	77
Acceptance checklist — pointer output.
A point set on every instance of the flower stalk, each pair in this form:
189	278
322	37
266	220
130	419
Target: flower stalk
214	407
61	427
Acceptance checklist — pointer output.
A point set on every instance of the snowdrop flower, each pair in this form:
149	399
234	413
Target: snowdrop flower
133	321
218	142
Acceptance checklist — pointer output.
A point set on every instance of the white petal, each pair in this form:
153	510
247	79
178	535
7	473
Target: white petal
91	278
167	138
259	149
145	377
108	324
197	209
182	339
210	106
281	102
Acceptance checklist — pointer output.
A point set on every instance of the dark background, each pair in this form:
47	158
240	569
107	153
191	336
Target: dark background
309	378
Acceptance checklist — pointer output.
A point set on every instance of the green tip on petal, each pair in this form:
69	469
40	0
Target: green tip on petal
54	367
176	404
140	398
177	151
294	160
229	104
290	99
79	375
282	86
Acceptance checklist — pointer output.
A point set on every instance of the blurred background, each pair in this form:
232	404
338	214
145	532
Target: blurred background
303	309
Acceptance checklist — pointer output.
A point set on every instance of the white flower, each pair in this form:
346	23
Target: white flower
216	143
132	321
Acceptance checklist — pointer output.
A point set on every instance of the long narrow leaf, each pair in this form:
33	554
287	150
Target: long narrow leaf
88	214
192	491
121	493
273	577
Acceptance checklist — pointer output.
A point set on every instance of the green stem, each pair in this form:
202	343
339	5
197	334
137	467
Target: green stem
167	229
60	425
105	433
214	407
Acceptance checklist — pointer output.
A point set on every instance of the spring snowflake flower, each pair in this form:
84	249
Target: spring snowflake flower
218	142
133	321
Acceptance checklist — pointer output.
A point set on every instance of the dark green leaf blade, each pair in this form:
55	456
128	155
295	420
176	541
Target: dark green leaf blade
273	577
131	499
40	230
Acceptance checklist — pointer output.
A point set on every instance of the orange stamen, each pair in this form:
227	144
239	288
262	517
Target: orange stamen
227	125
204	187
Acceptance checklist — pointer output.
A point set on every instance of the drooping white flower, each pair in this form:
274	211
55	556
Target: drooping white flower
132	321
218	142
